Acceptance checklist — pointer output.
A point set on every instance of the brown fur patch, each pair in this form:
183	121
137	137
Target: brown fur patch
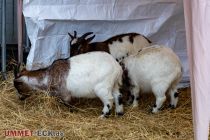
127	85
56	85
39	74
131	38
99	46
120	40
119	37
102	46
58	73
22	88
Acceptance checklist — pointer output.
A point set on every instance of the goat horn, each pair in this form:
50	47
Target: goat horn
90	38
75	34
72	37
86	34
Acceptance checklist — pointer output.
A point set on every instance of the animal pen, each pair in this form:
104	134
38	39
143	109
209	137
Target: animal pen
180	25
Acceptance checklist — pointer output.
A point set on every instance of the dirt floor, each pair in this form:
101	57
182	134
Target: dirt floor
43	113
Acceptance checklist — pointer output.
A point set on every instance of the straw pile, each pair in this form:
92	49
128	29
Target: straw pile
40	112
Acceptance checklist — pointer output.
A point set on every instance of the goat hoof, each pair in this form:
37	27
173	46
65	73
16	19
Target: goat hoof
120	114
105	115
154	111
101	117
135	105
22	98
171	106
71	110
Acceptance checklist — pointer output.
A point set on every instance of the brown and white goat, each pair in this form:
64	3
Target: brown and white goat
118	46
89	75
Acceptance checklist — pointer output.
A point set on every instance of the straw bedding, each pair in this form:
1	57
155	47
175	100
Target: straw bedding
40	112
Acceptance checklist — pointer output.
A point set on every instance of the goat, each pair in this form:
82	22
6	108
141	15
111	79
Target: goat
155	69
89	75
118	46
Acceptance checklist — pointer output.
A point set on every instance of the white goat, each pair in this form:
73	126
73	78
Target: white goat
154	69
89	75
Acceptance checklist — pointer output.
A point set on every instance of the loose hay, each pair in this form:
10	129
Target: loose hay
40	112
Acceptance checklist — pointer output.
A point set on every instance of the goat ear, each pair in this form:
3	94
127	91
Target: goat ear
90	38
72	37
16	70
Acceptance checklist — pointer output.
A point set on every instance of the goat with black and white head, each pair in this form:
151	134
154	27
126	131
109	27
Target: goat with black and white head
118	46
89	75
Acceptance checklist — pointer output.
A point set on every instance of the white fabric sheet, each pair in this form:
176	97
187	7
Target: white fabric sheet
49	21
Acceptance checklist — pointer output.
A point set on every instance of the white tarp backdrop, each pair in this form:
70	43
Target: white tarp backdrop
49	21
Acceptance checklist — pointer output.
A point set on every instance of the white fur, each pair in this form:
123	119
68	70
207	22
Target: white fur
32	82
94	74
155	69
121	49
